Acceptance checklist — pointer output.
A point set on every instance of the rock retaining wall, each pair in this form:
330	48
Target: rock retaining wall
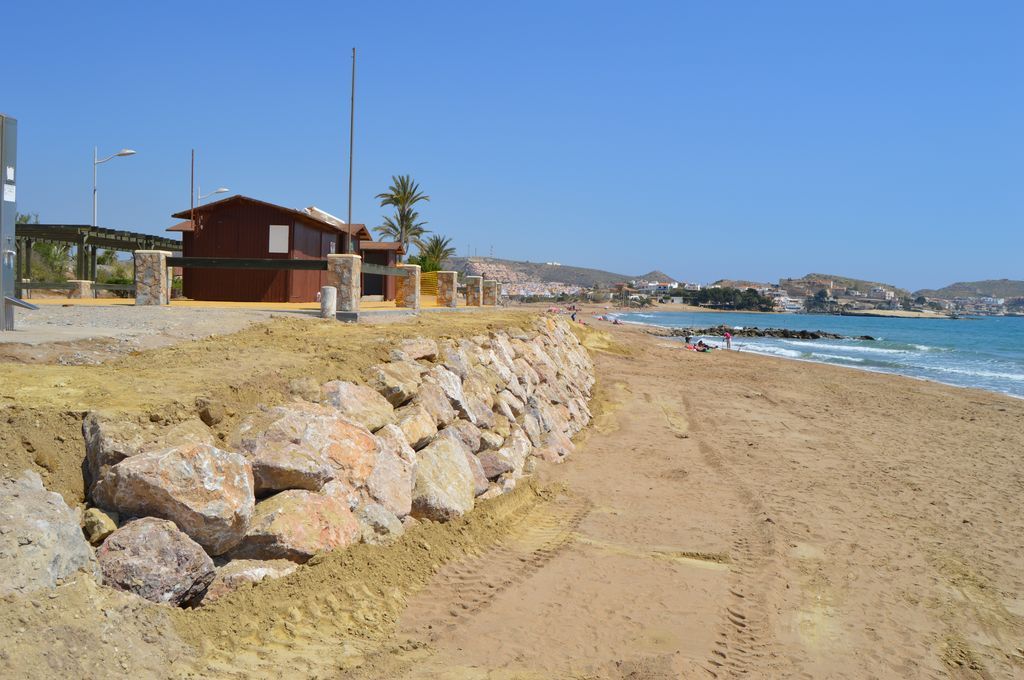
436	429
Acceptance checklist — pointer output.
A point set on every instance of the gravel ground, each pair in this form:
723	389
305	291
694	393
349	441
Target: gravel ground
91	334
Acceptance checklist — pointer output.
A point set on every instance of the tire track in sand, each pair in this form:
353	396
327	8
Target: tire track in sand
465	588
745	638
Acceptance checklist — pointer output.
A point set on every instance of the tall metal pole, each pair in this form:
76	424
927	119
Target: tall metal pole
351	143
95	162
192	193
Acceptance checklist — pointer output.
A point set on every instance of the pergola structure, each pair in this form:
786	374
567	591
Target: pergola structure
87	240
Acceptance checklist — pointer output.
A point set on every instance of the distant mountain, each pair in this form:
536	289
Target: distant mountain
512	271
1004	288
742	284
813	280
656	275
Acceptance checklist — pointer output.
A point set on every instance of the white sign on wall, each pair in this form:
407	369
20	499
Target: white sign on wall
278	238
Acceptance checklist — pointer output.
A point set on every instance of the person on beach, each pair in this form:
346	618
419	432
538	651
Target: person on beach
573	316
728	340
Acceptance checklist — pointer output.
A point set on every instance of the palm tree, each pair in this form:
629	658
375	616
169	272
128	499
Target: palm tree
403	194
404	228
434	252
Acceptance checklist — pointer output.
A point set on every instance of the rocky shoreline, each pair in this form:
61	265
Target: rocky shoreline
754	332
180	515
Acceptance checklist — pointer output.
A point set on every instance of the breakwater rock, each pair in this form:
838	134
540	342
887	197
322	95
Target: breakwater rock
753	333
438	428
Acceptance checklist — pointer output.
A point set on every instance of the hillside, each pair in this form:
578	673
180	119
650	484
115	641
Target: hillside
512	271
841	282
656	275
742	284
1005	288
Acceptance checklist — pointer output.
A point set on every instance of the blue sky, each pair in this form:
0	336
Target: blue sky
753	140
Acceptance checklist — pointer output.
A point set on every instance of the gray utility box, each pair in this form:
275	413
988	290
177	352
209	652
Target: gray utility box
8	218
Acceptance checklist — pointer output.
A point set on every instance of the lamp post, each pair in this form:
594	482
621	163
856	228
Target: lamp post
222	190
95	163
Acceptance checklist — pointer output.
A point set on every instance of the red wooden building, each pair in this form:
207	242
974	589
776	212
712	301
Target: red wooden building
243	227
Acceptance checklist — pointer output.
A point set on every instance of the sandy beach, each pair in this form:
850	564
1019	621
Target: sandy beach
726	515
751	516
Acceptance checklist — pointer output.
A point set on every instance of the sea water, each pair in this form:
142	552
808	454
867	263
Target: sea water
983	352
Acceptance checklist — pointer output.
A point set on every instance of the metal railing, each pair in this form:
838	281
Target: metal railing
274	264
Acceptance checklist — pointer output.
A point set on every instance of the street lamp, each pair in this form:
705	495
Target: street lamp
95	162
222	190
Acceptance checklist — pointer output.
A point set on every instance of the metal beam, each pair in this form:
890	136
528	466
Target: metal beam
371	268
108	239
278	264
245	263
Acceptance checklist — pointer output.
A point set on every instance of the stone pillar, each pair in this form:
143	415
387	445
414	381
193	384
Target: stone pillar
407	292
328	302
170	284
447	289
152	287
344	272
26	293
474	291
490	292
82	289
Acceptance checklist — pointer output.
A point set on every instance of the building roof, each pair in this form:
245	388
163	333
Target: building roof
312	215
382	245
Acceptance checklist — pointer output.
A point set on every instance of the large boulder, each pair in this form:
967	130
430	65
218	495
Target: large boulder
511	405
417	424
295	525
529	377
207	492
153	559
451	385
456	360
531	425
559	444
466	432
473	350
480	482
390	483
109	439
237	573
419	348
504	370
478	412
434	399
444	481
502	347
397	381
40	540
303	446
377	524
490	439
483	383
510	458
359	403
502	425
